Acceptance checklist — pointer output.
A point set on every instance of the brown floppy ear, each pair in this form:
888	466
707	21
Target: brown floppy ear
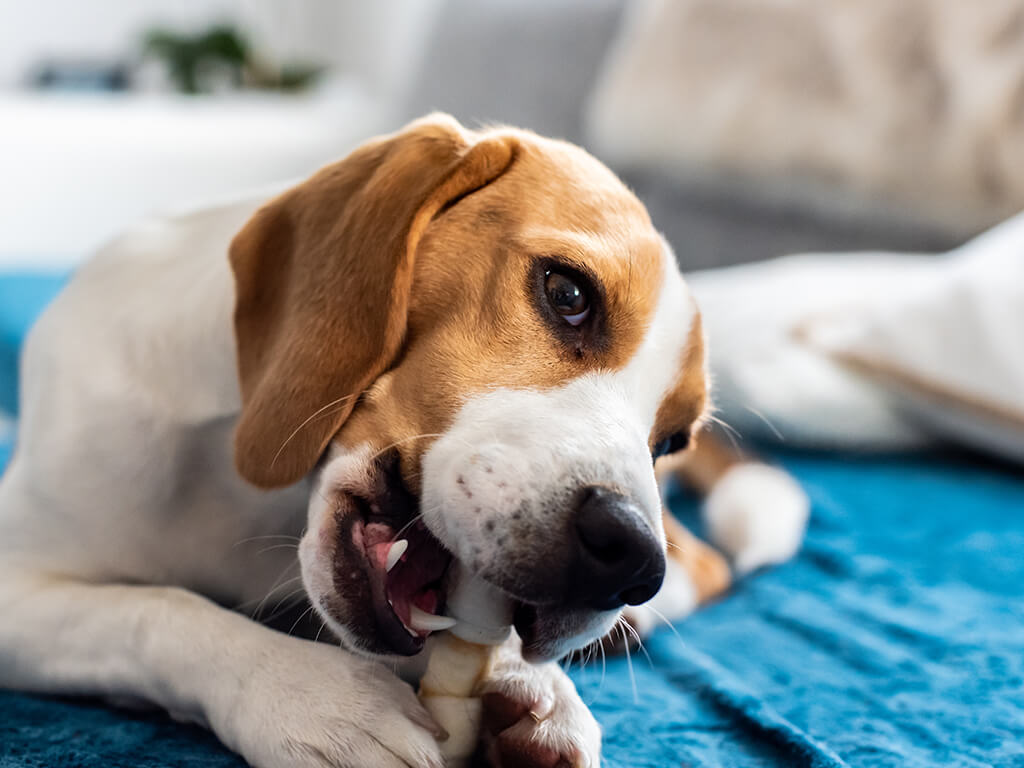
322	279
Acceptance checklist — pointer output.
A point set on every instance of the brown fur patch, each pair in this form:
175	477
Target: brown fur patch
707	567
473	324
684	407
323	275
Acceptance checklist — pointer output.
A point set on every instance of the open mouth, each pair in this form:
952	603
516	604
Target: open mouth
388	568
407	570
398	570
406	582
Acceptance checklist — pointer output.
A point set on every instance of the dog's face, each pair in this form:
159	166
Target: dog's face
505	413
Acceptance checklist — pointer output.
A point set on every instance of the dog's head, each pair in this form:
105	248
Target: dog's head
483	342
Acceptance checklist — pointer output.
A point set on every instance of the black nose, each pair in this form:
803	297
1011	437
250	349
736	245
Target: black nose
618	559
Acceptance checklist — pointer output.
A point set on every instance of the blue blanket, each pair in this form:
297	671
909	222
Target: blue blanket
896	638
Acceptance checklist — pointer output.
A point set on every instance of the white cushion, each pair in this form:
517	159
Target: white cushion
951	350
874	350
768	383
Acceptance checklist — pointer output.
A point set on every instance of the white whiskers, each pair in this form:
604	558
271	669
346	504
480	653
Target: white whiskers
778	435
734	436
629	662
317	412
667	623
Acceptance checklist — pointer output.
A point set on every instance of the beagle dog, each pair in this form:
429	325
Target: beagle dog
449	345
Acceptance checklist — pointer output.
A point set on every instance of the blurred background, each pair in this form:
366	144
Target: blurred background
752	129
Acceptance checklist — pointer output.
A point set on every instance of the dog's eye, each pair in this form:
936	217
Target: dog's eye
567	297
671	444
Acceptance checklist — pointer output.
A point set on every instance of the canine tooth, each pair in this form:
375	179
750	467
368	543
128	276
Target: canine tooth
395	553
429	622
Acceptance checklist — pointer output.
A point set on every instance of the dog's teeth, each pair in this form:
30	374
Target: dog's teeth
395	553
428	622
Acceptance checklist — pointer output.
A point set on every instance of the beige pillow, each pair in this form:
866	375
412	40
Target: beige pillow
913	105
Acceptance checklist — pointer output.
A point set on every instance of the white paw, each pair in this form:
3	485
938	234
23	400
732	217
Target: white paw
676	600
757	514
534	718
313	704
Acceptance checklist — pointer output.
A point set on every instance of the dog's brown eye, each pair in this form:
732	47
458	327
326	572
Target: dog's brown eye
567	297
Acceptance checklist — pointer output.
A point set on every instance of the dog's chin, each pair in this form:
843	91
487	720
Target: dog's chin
549	632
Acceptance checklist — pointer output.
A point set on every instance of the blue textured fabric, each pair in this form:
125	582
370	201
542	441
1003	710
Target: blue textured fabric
22	297
896	638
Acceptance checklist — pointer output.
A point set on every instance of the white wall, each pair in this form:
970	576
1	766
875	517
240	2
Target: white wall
377	39
78	168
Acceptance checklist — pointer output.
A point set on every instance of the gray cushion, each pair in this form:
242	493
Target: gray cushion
530	63
716	223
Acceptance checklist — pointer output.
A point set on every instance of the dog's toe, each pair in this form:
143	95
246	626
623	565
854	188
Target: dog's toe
533	718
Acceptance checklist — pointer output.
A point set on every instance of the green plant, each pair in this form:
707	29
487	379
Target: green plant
225	50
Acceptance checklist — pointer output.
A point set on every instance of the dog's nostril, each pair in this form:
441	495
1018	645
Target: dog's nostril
599	536
640	593
619	560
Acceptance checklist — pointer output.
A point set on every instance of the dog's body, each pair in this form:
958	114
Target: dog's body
175	444
145	388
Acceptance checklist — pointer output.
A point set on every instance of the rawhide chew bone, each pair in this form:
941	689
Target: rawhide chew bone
459	661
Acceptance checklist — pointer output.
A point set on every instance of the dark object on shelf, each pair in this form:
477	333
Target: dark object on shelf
86	76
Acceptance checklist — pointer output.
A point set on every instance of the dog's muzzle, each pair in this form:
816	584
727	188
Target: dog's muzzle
390	571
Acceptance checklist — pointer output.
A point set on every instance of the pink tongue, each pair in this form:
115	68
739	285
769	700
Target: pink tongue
377	540
380	554
426	600
406	584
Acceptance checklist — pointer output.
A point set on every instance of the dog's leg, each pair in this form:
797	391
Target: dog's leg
278	700
533	716
755	513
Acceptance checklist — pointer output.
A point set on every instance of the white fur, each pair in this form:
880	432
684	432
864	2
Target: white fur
757	514
347	471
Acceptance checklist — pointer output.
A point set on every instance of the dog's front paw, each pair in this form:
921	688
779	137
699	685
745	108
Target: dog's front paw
312	704
534	718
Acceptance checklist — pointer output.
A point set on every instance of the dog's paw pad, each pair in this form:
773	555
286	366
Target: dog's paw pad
518	747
